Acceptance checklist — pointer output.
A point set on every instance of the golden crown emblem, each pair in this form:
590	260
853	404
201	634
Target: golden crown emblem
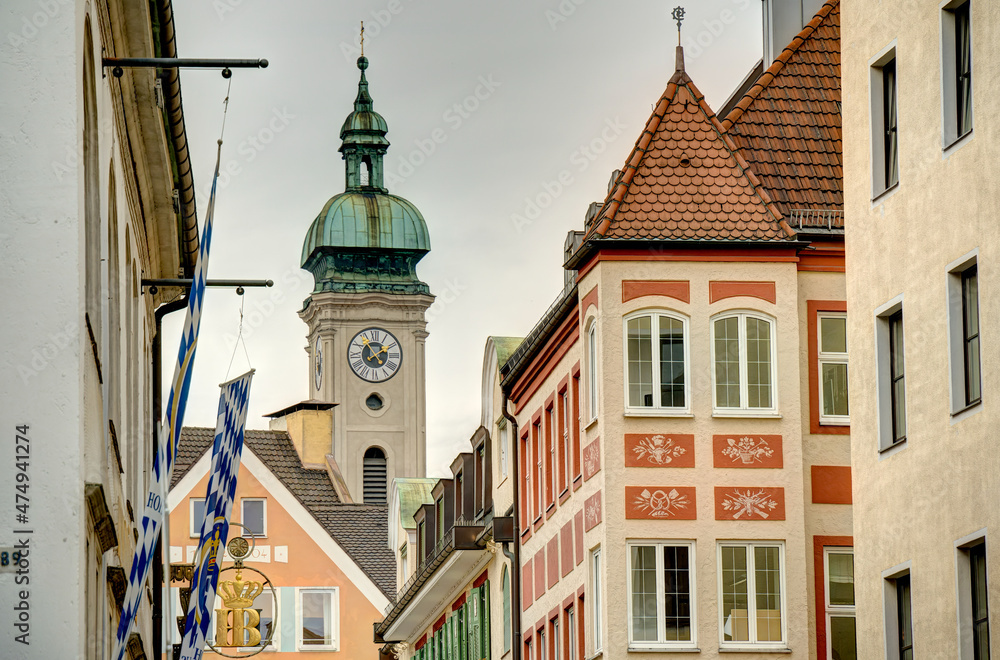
237	594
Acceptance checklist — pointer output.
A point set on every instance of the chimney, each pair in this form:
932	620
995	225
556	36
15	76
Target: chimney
310	426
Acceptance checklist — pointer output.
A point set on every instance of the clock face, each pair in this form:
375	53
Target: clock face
374	355
319	364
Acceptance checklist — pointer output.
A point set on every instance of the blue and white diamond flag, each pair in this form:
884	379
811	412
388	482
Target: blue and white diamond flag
226	451
163	460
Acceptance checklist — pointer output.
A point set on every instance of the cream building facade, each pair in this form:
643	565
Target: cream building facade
920	203
98	195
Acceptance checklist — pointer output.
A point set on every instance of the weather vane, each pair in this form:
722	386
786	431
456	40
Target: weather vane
678	15
363	36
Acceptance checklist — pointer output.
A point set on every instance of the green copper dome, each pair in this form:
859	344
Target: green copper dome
365	239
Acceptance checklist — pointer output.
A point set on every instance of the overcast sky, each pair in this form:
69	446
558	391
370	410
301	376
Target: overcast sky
506	120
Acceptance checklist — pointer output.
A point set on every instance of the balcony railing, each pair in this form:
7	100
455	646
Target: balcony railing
462	535
829	219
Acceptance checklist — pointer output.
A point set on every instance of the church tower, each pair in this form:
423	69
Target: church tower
366	321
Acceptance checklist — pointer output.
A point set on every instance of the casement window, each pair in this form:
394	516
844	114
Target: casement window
439	517
896	615
253	514
891	369
596	598
841	635
264	604
197	507
956	69
571	634
661	595
552	466
539	469
745	373
526	482
317	614
557	653
577	425
656	363
542	648
973	598
592	371
884	114
421	543
565	444
904	618
504	432
505	585
832	356
751	592
963	333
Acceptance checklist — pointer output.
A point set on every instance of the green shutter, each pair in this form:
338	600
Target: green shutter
473	642
484	613
463	632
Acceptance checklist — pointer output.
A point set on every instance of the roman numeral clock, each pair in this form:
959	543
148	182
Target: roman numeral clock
367	317
375	355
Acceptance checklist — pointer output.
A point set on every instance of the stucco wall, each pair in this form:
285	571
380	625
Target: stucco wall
914	504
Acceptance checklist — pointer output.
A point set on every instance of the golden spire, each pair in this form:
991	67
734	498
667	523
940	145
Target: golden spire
362	38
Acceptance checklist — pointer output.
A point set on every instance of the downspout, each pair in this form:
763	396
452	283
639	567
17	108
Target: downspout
515	557
161	311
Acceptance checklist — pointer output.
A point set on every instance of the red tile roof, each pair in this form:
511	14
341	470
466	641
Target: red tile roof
685	180
788	125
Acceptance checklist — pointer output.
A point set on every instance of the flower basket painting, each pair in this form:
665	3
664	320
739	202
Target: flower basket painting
591	459
747	451
749	503
645	450
660	503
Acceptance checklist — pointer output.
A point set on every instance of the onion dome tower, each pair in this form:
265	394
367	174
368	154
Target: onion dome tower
366	314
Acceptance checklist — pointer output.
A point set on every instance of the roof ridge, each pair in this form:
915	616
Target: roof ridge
779	63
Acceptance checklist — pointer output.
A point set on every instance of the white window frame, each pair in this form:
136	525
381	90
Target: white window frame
542	648
963	588
883	393
593	357
842	611
656	409
661	643
890	608
263	501
744	410
334	616
751	595
830	358
504	432
949	79
567	443
275	641
877	121
571	634
596	597
195	532
956	333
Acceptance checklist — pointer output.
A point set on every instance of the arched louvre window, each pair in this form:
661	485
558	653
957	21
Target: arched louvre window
374	476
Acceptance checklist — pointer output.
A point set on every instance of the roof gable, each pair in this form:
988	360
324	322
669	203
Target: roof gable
359	530
789	124
685	180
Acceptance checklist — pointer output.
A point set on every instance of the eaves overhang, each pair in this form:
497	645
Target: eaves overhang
594	245
438	581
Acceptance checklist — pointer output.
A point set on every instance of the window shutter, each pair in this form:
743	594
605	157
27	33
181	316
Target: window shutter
474	642
484	613
463	632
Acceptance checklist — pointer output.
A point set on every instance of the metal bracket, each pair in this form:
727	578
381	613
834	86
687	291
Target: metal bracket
120	63
155	284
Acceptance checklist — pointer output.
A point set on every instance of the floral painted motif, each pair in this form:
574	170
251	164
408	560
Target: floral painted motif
747	449
660	504
592	513
750	504
658	449
591	459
